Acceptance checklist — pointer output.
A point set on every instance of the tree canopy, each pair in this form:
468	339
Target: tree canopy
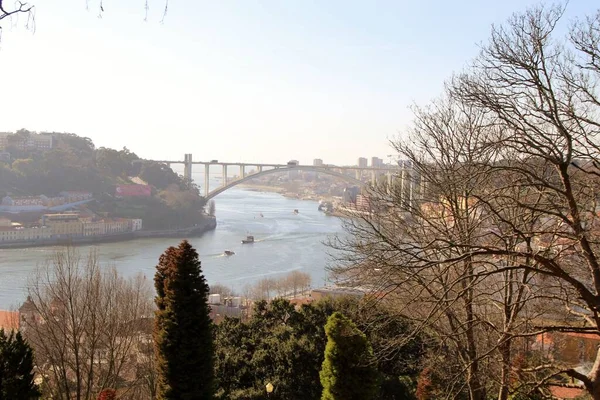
182	327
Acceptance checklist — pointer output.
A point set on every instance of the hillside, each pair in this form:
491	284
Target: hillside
73	163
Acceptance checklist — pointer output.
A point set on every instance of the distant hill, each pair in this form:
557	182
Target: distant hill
69	162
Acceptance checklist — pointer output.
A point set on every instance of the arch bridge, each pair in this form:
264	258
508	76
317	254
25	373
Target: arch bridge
267	169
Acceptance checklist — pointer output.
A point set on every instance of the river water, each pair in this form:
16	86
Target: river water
284	242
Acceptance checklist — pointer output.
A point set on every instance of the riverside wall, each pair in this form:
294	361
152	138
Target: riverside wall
208	224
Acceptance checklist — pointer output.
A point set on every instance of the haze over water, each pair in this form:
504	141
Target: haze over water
285	242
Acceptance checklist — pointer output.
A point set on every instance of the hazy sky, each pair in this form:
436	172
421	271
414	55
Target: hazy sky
240	80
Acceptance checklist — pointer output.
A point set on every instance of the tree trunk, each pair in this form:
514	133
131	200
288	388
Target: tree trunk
504	349
593	386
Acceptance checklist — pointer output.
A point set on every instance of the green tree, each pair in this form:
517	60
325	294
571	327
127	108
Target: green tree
16	368
348	372
182	327
285	346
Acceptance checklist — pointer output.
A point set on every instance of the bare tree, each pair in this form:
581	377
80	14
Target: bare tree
492	238
297	282
408	250
26	9
85	325
543	95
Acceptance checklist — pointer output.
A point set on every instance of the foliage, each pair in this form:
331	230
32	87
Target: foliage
159	175
285	346
16	368
182	327
348	372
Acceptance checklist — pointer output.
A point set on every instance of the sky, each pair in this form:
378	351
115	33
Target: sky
240	81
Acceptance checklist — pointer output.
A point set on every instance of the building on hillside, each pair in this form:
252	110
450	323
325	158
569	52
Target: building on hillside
9	320
75	196
117	225
135	224
221	307
38	141
363	203
124	191
94	228
18	201
21	234
350	195
63	225
4	156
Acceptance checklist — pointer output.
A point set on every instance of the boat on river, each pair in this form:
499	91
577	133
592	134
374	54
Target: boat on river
296	211
249	239
228	253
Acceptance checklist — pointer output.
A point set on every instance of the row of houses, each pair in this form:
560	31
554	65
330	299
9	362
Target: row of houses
64	226
37	203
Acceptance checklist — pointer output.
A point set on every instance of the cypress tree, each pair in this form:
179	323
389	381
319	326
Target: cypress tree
16	368
182	327
348	372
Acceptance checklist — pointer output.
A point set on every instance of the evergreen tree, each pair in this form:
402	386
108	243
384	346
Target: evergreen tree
16	368
348	372
182	327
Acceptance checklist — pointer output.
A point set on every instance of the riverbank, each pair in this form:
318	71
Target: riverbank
208	224
262	188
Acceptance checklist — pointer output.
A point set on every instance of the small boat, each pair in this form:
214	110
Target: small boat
228	253
249	239
261	215
296	211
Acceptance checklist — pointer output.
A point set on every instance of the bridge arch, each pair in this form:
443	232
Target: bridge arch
320	170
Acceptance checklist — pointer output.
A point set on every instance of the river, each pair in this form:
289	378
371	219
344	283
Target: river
284	242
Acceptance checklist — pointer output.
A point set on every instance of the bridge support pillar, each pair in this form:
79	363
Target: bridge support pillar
357	174
242	171
224	174
206	179
187	168
260	168
373	178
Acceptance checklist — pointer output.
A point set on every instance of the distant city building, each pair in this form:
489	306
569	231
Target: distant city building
317	162
376	162
362	162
